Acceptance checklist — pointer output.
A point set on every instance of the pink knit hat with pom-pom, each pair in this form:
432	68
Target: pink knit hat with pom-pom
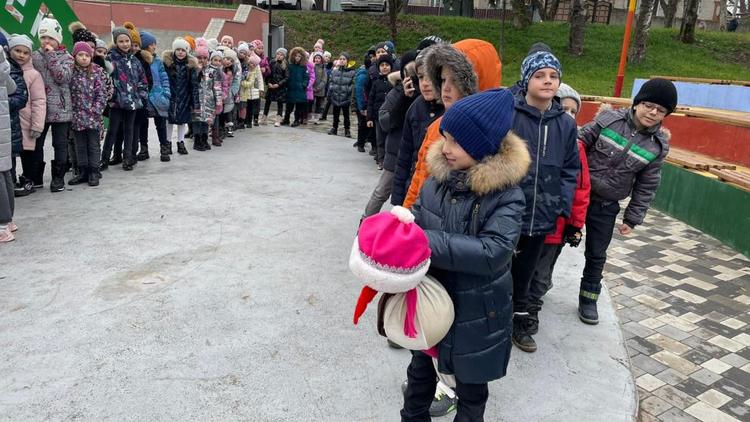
390	254
253	59
201	51
257	44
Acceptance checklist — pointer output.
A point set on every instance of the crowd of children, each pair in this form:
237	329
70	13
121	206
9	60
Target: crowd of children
499	179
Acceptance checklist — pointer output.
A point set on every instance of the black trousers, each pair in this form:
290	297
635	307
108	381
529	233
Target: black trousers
326	109
253	109
87	147
120	119
279	107
347	117
200	128
541	282
299	111
141	117
319	104
161	129
364	134
420	390
32	160
528	251
600	225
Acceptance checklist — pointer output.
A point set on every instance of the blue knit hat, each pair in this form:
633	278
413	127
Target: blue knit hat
479	122
537	61
147	39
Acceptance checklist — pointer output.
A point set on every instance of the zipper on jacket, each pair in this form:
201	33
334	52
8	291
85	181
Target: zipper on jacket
475	220
536	175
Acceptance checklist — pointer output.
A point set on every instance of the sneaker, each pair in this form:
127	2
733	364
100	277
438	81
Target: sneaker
12	227
296	123
372	152
587	311
115	161
347	133
533	328
6	235
360	148
380	166
334	131
442	404
521	337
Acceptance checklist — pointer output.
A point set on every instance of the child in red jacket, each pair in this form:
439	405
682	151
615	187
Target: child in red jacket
568	229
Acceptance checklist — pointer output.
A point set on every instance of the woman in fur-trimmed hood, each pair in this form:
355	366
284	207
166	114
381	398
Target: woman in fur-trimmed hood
470	209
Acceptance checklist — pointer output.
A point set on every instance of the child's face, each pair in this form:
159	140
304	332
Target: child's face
649	114
380	52
227	61
342	61
216	61
259	51
226	42
203	60
543	84
457	158
180	53
83	59
20	54
570	106
279	57
425	85
101	52
123	42
449	92
318	60
297	58
49	41
151	48
242	55
136	47
385	68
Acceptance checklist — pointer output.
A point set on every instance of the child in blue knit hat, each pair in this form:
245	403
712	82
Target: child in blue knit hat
470	209
550	135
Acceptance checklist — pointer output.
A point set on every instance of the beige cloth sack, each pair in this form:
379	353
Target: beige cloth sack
433	320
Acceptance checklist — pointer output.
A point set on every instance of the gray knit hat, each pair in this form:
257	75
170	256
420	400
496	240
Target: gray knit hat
120	30
282	50
100	43
565	91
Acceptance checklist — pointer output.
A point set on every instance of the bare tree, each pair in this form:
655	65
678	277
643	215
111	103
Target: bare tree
577	27
521	18
687	30
642	25
670	11
394	8
551	11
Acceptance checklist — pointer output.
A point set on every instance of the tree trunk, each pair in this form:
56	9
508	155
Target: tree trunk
551	11
670	11
687	30
743	6
642	25
394	6
521	18
577	27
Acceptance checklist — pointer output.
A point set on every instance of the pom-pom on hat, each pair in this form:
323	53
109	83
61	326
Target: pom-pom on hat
537	61
479	122
190	41
80	33
82	47
23	40
135	37
658	91
201	51
50	27
319	44
537	47
390	254
180	43
254	59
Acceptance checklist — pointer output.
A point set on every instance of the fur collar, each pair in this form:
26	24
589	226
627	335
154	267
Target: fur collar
301	52
394	78
146	56
495	172
168	58
446	55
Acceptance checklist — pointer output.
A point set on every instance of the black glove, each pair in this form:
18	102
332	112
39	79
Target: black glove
572	236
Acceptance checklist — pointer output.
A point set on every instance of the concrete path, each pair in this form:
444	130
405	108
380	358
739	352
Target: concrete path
216	287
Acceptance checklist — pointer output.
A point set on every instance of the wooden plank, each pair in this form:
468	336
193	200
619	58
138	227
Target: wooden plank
690	159
704	80
733	176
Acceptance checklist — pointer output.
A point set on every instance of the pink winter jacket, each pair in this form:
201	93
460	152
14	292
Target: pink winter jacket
33	115
311	81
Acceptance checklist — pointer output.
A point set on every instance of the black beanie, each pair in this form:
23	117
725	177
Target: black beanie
537	47
385	58
658	91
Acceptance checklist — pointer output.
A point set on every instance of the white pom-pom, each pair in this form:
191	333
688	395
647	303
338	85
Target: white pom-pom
404	215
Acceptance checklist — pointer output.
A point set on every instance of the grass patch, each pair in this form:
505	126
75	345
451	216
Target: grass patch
716	55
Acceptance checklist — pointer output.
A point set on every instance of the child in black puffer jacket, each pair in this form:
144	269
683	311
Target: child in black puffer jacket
379	88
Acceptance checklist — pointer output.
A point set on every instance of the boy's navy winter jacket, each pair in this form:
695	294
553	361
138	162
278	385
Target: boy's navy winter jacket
375	99
360	88
419	116
17	101
551	138
391	120
472	219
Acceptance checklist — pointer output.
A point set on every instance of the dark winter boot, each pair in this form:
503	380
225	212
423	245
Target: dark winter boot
143	155
587	311
82	177
215	139
181	148
37	175
117	159
128	165
104	164
58	174
164	153
169	149
206	145
347	133
521	336
197	146
255	121
94	176
334	131
24	187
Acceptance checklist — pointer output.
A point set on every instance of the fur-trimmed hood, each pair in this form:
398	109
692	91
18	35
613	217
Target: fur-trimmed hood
446	55
168	58
394	78
146	56
495	172
301	52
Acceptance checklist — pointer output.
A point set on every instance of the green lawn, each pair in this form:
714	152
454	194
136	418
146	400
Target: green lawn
716	55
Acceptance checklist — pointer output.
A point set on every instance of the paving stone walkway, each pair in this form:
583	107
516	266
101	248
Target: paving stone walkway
682	299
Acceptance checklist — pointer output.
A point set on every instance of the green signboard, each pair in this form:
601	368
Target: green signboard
23	17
